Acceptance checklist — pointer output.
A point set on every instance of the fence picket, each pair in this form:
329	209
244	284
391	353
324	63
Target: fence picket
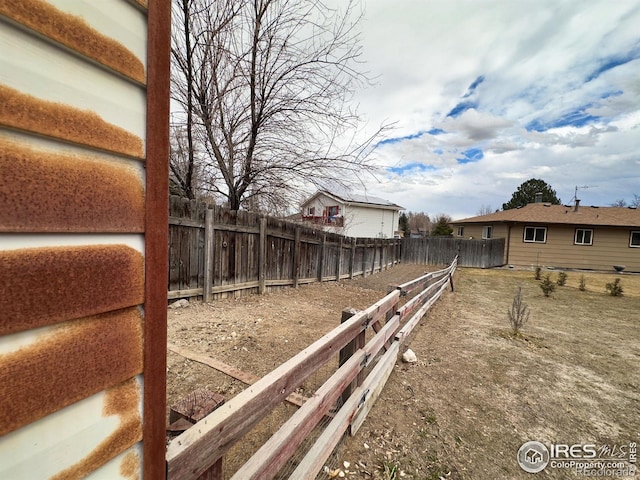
217	251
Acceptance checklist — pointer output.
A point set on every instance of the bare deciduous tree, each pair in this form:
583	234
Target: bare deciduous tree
485	210
419	222
265	87
621	202
193	23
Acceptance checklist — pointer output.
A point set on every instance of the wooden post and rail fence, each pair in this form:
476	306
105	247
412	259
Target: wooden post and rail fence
214	251
197	453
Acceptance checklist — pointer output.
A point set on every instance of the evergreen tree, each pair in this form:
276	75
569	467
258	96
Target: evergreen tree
403	224
442	227
526	193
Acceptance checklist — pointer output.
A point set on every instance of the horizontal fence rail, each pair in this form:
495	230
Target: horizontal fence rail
195	451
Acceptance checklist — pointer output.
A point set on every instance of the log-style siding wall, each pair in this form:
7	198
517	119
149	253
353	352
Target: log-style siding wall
83	246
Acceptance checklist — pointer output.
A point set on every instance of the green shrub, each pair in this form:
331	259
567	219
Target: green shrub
547	285
562	279
583	284
614	288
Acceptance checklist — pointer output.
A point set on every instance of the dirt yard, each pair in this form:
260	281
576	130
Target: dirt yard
476	393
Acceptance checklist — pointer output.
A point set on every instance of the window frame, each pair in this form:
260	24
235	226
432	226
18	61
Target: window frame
535	229
331	208
631	234
460	231
583	243
487	232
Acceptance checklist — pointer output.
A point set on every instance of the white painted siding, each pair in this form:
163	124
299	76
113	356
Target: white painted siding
68	435
359	221
39	68
88	427
370	222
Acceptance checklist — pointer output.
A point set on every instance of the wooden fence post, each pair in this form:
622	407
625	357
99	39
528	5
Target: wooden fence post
208	255
339	260
321	256
426	251
364	259
262	255
352	260
373	261
348	350
296	257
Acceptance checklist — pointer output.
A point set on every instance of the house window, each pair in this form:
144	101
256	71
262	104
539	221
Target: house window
584	236
487	231
461	231
634	241
535	234
311	211
332	211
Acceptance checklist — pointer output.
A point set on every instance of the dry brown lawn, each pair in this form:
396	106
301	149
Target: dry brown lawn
477	392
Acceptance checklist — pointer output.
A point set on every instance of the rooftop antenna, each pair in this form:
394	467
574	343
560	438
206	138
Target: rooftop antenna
581	187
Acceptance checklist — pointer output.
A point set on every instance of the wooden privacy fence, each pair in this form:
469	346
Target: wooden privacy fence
213	250
199	450
485	253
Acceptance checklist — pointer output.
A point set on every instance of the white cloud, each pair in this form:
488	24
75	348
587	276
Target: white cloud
477	126
566	69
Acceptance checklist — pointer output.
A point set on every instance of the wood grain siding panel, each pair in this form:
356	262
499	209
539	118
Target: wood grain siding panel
26	112
74	33
84	436
43	286
50	192
73	361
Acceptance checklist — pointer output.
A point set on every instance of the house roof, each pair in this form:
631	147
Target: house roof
562	214
357	199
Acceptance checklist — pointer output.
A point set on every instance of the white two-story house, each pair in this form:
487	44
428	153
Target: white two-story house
352	215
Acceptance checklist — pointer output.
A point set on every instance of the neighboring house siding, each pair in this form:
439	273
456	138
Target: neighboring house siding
610	247
605	244
474	231
320	203
79	189
353	220
370	222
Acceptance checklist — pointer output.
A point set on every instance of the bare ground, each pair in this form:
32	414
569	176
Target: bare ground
477	392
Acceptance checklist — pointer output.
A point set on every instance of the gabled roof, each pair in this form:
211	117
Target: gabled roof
562	214
356	199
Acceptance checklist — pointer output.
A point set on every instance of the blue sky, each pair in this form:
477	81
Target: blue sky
487	94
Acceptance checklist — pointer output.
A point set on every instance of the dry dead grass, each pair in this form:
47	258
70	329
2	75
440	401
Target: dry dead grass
477	392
